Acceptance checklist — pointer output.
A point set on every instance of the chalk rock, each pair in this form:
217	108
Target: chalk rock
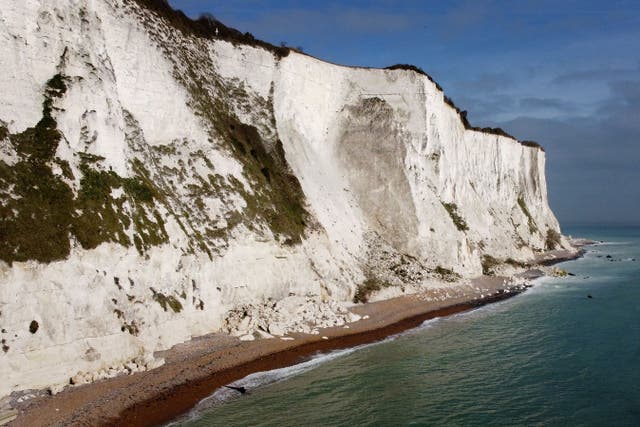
262	334
56	388
277	329
352	317
155	363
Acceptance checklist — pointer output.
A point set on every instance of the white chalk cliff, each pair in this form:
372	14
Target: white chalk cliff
154	183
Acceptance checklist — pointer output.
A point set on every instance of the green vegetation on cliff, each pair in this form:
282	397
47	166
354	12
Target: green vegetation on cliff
533	228
366	288
40	211
553	239
276	198
458	221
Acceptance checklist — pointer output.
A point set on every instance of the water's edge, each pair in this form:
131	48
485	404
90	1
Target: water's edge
176	403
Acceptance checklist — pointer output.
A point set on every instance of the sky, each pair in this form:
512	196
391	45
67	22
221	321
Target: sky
563	73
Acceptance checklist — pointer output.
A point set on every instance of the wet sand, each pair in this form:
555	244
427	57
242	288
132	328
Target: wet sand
193	370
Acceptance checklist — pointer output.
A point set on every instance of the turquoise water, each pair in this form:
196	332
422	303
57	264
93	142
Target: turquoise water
550	356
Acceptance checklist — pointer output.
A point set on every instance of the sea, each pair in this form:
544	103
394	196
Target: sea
564	353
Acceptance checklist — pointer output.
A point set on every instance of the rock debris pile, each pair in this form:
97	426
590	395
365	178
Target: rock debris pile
291	314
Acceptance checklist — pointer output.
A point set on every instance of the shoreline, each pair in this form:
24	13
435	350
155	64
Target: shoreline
143	413
194	370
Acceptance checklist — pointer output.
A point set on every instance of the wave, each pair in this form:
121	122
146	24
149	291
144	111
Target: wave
613	243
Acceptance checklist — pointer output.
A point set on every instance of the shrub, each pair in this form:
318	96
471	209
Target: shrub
553	239
366	288
132	328
446	274
488	265
418	70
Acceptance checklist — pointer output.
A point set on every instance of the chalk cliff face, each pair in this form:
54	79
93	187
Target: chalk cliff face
154	182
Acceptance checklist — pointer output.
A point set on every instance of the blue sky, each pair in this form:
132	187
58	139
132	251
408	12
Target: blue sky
563	73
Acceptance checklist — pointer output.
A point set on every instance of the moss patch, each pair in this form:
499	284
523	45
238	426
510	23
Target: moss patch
103	217
458	221
276	197
99	218
40	211
167	302
280	201
533	228
37	210
65	167
35	218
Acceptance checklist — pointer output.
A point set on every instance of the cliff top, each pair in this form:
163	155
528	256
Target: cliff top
207	26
